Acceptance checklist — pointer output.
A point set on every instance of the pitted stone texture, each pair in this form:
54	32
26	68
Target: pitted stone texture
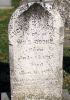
36	52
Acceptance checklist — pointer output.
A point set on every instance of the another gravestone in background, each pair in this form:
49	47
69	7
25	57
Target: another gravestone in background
64	8
4	96
5	3
36	33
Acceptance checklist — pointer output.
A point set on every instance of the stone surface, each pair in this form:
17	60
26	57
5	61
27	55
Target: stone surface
66	95
36	34
5	3
4	96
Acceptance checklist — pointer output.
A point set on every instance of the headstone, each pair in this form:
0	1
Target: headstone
4	96
5	3
36	34
66	95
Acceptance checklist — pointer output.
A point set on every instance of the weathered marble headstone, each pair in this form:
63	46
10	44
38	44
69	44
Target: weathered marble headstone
5	3
36	33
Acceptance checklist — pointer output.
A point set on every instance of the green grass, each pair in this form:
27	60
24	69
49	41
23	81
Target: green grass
67	51
4	20
4	55
15	3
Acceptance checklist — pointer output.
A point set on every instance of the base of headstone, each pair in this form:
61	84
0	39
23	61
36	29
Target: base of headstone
4	96
66	95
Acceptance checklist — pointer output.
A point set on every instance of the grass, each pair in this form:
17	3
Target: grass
4	57
67	52
15	3
4	20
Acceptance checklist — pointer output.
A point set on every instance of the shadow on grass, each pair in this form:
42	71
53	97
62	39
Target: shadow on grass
5	79
66	64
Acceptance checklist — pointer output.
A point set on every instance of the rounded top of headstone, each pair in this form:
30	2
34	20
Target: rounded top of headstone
45	1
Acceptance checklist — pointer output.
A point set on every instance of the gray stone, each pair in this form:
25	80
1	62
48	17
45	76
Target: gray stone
66	95
4	96
5	3
36	34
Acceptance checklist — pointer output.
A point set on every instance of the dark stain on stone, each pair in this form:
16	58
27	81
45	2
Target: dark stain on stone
36	10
